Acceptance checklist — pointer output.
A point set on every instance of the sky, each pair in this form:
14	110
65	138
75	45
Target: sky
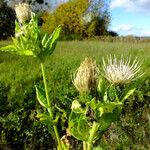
130	17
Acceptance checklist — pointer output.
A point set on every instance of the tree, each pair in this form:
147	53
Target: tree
70	14
48	22
7	20
85	18
99	18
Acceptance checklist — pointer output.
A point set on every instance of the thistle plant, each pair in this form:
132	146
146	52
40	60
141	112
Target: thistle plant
23	12
30	40
91	118
86	77
104	95
121	72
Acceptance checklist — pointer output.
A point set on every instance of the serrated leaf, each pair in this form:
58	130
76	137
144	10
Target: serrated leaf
46	119
78	126
53	39
44	40
40	93
55	36
9	48
23	43
107	118
129	93
109	107
13	50
24	52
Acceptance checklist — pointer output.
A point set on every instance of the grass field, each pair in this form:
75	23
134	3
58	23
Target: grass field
18	75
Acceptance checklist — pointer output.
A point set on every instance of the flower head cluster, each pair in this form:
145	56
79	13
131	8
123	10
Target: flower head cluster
121	72
23	12
86	76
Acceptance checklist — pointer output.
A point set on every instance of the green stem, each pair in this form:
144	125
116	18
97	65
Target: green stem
50	107
84	145
92	134
46	91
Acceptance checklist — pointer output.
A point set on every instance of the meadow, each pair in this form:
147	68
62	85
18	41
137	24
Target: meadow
19	128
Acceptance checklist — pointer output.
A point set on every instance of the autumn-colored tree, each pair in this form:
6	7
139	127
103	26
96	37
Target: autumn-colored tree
70	15
48	22
78	18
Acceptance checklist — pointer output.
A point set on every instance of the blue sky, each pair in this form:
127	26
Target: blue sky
130	17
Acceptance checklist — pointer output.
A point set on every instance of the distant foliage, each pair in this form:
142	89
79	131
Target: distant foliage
7	20
79	19
48	22
69	15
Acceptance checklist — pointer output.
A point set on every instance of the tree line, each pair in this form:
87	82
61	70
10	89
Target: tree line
79	18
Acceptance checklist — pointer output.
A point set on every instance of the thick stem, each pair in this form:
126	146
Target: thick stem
50	107
92	134
84	145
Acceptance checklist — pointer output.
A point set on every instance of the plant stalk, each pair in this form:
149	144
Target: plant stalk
84	145
93	131
50	107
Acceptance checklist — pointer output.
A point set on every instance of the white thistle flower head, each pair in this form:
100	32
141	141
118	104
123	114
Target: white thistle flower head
86	77
23	12
122	71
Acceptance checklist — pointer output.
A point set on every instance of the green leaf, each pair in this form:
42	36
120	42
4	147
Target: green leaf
55	36
24	52
43	117
53	39
13	50
46	119
93	103
63	113
98	148
129	93
105	98
107	118
78	126
9	48
23	43
17	27
64	146
112	93
44	40
83	127
109	107
101	87
40	93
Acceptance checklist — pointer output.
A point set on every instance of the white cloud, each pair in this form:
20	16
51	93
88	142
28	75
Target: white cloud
127	29
132	5
123	27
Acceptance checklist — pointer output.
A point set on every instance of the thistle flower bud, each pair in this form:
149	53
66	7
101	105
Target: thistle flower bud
86	78
121	72
23	12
